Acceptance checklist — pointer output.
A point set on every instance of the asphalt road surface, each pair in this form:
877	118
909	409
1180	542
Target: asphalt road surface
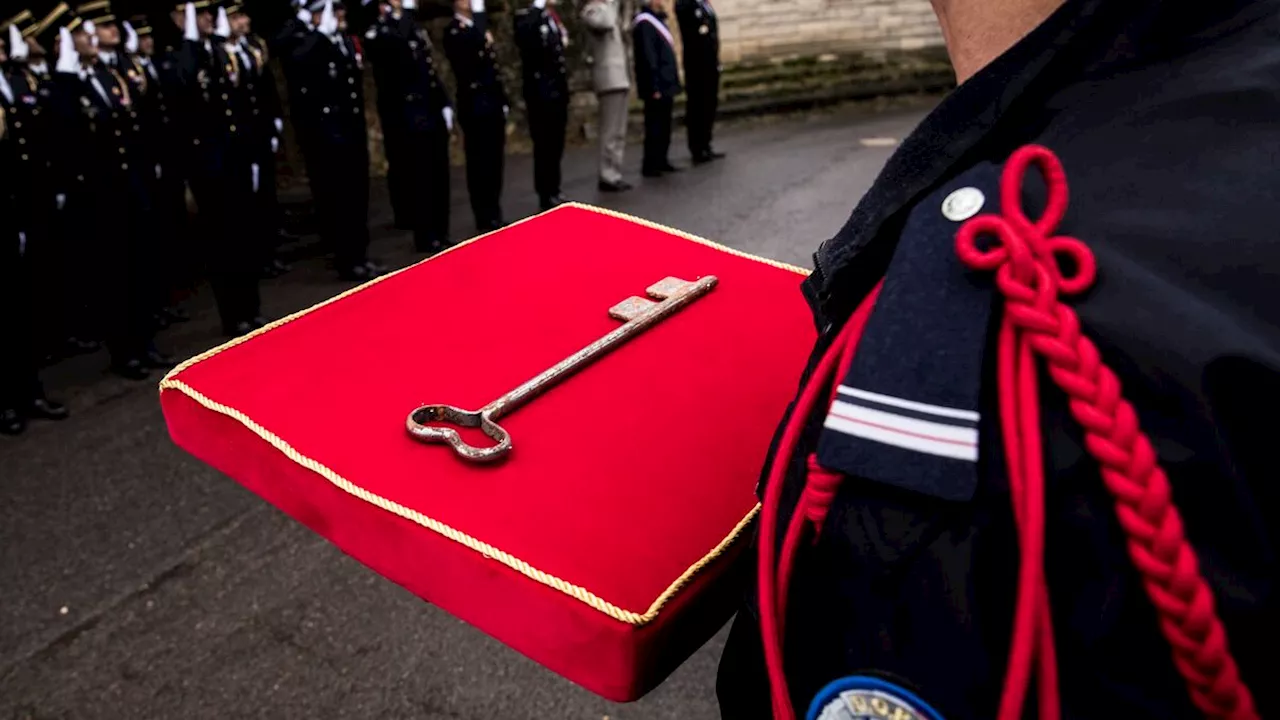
137	583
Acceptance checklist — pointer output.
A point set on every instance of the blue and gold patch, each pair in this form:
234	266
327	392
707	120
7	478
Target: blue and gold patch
861	697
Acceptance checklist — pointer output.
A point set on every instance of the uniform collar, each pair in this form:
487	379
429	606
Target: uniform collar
1000	108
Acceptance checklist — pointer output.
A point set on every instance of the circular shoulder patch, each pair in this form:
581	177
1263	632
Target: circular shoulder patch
862	697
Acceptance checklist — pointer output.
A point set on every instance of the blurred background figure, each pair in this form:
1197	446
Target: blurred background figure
611	83
21	393
199	78
329	119
657	82
416	117
482	108
700	37
266	122
542	38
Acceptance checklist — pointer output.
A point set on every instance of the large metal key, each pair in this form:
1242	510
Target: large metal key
639	315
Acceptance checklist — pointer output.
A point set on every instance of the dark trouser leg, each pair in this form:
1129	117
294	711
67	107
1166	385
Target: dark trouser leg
657	133
700	110
654	156
353	184
428	153
19	376
496	160
547	122
267	202
400	172
340	191
485	140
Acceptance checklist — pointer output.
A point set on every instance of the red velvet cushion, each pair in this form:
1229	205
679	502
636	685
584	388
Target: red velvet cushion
600	546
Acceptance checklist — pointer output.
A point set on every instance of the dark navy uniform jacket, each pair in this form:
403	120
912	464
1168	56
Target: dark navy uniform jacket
699	37
330	93
411	94
546	77
655	57
475	66
1166	116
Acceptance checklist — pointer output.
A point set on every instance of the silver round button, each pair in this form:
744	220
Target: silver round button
963	204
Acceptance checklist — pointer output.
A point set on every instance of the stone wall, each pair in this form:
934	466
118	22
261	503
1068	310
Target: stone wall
759	29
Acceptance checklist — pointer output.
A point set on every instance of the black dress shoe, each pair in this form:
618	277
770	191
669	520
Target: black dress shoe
280	266
357	273
620	186
177	314
431	246
157	360
375	268
651	172
235	330
491	225
132	369
259	322
76	346
12	422
46	409
707	156
547	203
668	168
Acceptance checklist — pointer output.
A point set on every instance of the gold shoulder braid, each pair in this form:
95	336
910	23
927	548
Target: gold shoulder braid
124	88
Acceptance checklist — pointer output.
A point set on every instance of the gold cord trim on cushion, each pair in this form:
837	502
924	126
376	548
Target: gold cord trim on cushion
575	591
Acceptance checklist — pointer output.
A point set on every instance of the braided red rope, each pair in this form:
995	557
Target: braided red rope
1036	323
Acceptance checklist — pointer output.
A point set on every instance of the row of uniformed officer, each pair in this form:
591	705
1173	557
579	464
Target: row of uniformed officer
216	146
86	220
25	203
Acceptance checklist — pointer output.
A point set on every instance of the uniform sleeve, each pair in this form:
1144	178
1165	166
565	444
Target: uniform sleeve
646	50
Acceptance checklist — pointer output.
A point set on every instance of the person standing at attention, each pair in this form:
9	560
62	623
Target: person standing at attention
657	82
700	38
542	39
482	108
611	84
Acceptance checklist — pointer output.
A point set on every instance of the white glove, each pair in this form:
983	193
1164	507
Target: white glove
18	49
540	4
279	125
130	38
409	4
89	27
275	145
159	171
256	174
477	6
448	117
328	20
506	111
223	28
68	58
60	200
304	15
190	30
